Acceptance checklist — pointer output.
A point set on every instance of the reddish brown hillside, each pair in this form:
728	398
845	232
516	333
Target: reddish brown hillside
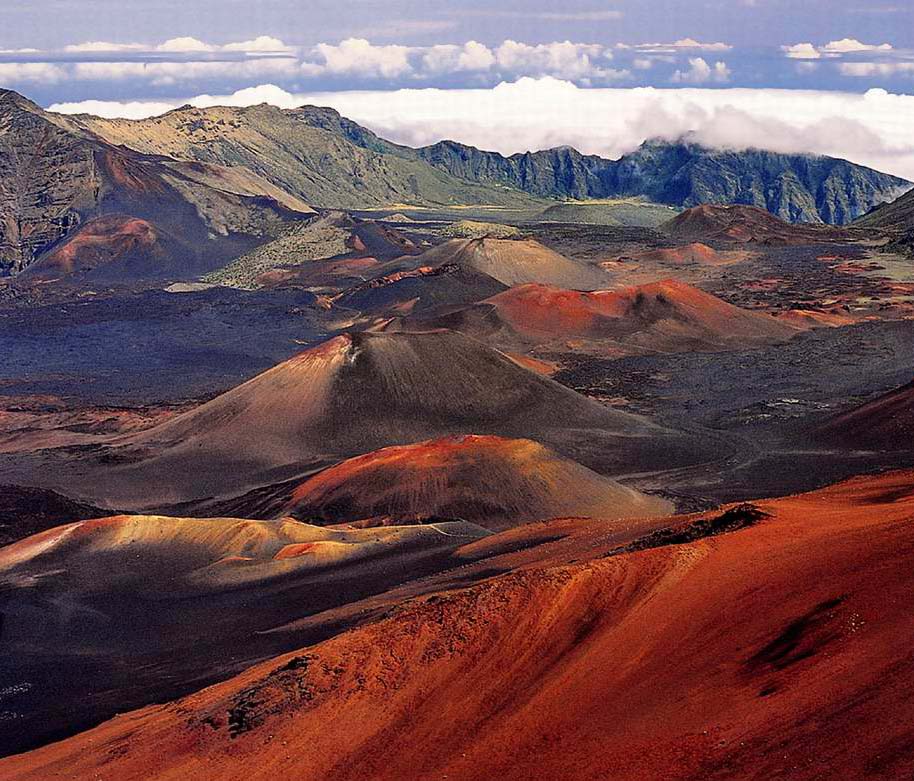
886	423
744	224
102	241
667	308
781	650
695	253
666	316
494	482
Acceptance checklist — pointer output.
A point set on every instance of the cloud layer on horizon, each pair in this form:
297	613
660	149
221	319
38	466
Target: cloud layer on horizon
528	114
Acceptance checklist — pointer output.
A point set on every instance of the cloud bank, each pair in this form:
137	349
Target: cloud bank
530	114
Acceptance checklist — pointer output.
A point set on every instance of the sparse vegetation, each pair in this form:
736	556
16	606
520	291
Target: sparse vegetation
301	242
625	212
472	229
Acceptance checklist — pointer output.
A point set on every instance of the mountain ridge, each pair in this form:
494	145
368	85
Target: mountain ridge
795	187
55	179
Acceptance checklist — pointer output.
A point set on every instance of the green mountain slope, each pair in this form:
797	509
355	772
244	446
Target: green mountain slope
314	154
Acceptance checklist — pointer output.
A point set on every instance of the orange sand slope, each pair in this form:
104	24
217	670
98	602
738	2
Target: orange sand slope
666	316
494	482
693	253
129	610
781	650
667	308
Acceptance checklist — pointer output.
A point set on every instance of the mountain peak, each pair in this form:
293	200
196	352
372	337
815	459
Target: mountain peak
10	98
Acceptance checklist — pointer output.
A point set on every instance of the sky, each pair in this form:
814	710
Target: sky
830	76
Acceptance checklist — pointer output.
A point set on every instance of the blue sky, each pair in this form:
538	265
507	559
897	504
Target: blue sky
57	50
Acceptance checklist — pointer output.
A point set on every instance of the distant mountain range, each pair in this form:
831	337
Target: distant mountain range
207	185
796	188
329	160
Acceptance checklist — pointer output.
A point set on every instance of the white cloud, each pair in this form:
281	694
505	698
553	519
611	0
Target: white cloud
584	63
262	43
251	96
103	46
691	43
846	45
15	73
170	73
682	43
802	51
807	51
563	60
872	129
110	71
870	69
185	44
700	72
131	109
472	56
357	56
142	109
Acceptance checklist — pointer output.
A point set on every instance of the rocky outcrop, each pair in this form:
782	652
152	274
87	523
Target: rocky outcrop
57	179
796	188
47	178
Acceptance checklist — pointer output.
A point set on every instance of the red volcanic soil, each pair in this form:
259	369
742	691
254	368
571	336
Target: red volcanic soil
494	482
99	242
696	252
812	318
129	610
779	650
129	174
886	423
654	315
744	224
